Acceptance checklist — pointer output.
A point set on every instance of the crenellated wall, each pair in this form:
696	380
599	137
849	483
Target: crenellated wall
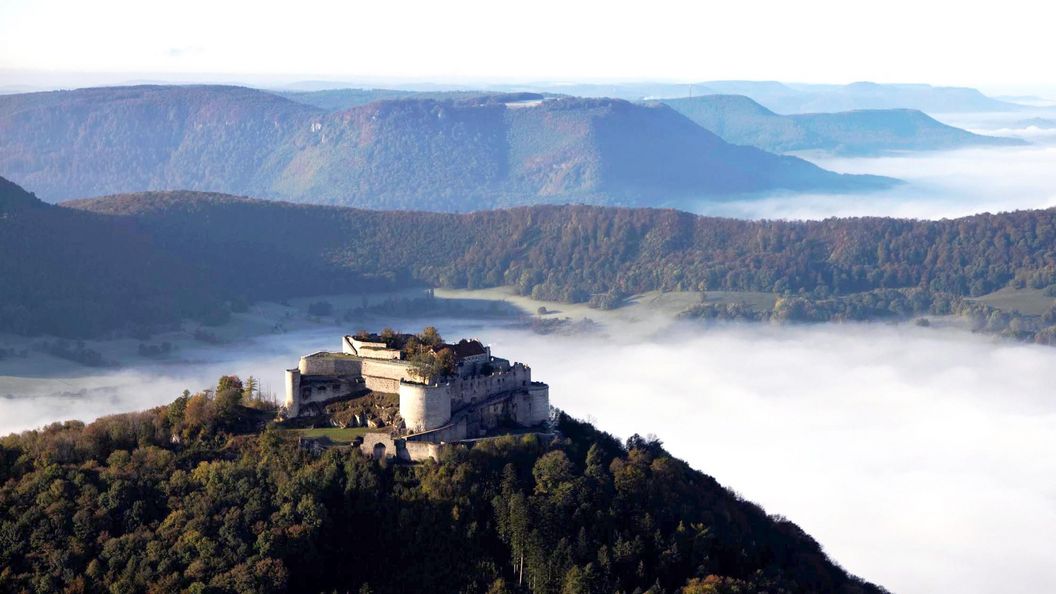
465	391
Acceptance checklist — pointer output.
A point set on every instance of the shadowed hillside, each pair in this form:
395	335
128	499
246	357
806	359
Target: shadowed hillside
740	120
71	272
168	254
426	154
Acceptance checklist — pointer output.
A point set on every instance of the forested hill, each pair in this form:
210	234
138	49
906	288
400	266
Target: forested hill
458	154
740	120
72	272
222	248
191	497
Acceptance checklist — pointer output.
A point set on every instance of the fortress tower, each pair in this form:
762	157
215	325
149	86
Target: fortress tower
447	393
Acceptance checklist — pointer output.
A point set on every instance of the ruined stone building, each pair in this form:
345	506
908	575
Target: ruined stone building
477	394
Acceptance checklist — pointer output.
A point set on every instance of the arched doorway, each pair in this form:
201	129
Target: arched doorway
379	451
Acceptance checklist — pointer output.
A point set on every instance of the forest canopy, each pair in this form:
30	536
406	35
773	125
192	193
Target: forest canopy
133	260
196	496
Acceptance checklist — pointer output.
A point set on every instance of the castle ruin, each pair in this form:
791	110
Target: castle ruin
447	392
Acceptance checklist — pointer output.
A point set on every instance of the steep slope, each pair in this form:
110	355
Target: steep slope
77	273
409	154
579	513
14	199
71	272
740	120
70	144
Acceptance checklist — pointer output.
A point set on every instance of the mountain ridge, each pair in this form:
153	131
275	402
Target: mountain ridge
235	246
451	155
740	120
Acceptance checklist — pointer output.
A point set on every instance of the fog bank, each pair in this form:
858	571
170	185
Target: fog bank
920	459
940	184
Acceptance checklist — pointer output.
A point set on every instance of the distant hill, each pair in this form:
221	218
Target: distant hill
1040	123
71	144
136	260
792	97
803	98
398	154
340	99
740	120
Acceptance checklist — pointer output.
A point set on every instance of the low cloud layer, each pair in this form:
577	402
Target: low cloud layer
920	459
940	184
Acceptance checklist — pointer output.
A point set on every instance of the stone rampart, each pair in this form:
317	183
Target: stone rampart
338	364
423	407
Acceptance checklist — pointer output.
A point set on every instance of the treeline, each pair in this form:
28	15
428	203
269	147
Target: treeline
888	304
197	253
571	253
190	497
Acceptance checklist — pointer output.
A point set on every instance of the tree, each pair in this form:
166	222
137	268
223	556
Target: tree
430	336
229	382
551	470
227	403
250	389
430	365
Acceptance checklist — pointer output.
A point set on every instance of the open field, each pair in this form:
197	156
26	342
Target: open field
1032	302
645	312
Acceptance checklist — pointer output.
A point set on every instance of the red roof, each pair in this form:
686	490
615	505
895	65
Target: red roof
464	348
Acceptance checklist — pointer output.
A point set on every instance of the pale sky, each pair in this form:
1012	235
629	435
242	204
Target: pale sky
968	43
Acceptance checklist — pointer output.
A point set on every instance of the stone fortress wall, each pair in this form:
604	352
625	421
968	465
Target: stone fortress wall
320	378
483	393
386	375
423	407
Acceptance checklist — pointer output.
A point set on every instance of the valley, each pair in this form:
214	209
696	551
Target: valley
817	422
548	298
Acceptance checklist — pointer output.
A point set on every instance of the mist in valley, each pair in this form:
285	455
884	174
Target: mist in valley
939	184
920	458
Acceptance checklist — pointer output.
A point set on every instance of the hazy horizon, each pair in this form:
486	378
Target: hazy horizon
35	80
819	41
939	184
